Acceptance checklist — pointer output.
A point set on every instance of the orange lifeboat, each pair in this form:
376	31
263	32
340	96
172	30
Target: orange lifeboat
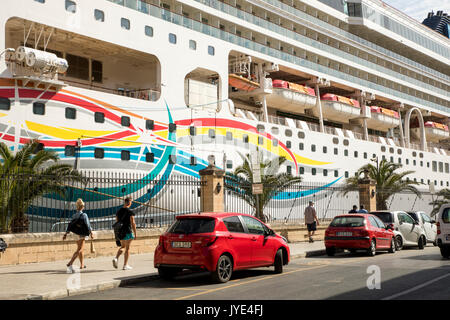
242	83
292	97
383	119
338	108
434	131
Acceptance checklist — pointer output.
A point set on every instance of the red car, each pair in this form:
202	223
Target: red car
219	243
357	232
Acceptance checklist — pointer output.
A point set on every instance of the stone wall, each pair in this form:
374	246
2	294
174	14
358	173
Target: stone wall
43	247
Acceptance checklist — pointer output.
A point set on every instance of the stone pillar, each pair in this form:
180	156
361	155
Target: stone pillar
367	193
212	189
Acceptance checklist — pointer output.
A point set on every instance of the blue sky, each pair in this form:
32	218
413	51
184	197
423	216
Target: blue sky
418	9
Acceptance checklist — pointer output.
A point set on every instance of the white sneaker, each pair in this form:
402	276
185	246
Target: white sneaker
70	269
115	263
127	267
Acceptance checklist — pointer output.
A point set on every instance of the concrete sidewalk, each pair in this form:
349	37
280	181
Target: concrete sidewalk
49	280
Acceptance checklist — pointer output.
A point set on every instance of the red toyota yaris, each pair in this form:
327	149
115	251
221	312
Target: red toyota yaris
359	231
219	243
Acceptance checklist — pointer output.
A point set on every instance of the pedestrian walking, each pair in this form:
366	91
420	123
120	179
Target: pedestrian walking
81	226
354	209
311	220
126	226
362	210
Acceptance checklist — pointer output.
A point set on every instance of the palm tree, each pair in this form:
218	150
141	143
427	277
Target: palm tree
240	183
388	181
445	198
24	176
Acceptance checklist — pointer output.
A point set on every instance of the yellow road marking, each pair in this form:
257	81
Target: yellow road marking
247	282
185	289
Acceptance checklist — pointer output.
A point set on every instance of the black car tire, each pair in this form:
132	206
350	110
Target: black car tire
168	273
278	262
393	245
445	252
421	243
372	249
352	251
330	251
224	270
399	243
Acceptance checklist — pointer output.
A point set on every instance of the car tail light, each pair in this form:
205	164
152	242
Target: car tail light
208	241
438	225
161	241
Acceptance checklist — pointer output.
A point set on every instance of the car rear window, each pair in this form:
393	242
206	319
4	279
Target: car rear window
386	217
446	215
414	216
347	222
188	226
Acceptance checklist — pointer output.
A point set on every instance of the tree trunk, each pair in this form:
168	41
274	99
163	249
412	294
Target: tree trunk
20	224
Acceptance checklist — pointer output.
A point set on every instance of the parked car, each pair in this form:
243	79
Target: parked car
428	225
408	233
443	230
359	231
219	243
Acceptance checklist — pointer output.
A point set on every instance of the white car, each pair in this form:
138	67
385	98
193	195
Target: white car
408	233
443	230
428	225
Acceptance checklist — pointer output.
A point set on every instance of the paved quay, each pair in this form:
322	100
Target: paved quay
49	280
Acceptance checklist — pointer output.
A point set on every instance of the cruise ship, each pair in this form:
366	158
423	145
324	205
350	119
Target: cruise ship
158	86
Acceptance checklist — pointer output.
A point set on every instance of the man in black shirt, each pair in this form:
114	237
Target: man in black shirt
126	217
354	210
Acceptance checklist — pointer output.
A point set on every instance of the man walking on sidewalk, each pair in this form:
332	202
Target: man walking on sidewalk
310	220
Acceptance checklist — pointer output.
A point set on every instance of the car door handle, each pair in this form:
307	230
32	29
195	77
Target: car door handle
230	237
254	239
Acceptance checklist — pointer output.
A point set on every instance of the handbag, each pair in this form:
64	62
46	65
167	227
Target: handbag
3	245
78	226
118	230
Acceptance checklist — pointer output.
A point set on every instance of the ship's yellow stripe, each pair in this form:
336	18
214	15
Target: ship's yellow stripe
123	143
3	114
65	133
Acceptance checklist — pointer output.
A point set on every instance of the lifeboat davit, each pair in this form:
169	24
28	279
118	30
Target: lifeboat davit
241	83
383	119
338	108
289	96
434	131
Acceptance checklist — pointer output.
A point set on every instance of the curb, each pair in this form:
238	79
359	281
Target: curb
313	253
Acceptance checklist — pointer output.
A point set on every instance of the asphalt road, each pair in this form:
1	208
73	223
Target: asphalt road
407	274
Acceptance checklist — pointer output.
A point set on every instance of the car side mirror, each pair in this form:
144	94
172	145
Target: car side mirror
268	233
433	221
390	227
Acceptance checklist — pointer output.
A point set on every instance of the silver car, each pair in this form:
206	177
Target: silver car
428	224
408	233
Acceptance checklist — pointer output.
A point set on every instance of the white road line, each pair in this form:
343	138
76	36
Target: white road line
416	287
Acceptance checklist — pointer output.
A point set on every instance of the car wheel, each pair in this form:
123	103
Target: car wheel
435	243
421	243
278	262
393	245
224	269
445	252
399	243
372	249
168	273
352	251
330	251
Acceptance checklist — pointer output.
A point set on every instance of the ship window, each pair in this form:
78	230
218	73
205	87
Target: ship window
335	151
260	128
97	71
229	164
71	6
383	157
78	67
346	174
441	167
148	31
245	138
211	50
69	151
99	153
71	113
391	150
399	151
99	117
346	142
212	133
288	133
313	171
346	152
125	155
301	135
447	168
39	108
289	170
38	148
414	154
421	163
261	141
173	159
365	155
229	136
99	15
325	172
125	121
288	144
275	142
301	146
302	170
428	164
275	130
40	1
400	160
434	163
172	127
324	149
421	155
407	161
335	140
356	154
5	104
125	23
192	45
149	124
336	173
383	149
172	38
313	148
193	131
149	157
392	160
193	161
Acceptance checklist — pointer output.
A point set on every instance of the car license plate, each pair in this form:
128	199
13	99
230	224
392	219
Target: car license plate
181	244
344	234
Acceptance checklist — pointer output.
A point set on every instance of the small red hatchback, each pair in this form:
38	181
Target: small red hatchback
357	232
219	243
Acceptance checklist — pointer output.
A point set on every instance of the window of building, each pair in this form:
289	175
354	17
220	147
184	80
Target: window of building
99	117
421	163
211	50
260	128
149	157
125	121
407	161
399	151
313	148
383	157
391	159
125	155
148	31
71	113
399	160
261	140
71	6
447	168
99	153
39	108
125	23
149	124
414	154
5	103
172	127
38	148
99	15
172	38
69	151
78	67
421	155
192	45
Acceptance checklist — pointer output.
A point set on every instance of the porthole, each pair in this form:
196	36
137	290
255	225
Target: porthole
346	142
335	140
99	153
39	108
288	133
149	124
149	157
301	135
383	149
5	103
125	121
172	127
125	155
99	117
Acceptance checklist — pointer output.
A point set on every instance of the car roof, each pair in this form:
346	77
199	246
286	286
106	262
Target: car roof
219	215
361	215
